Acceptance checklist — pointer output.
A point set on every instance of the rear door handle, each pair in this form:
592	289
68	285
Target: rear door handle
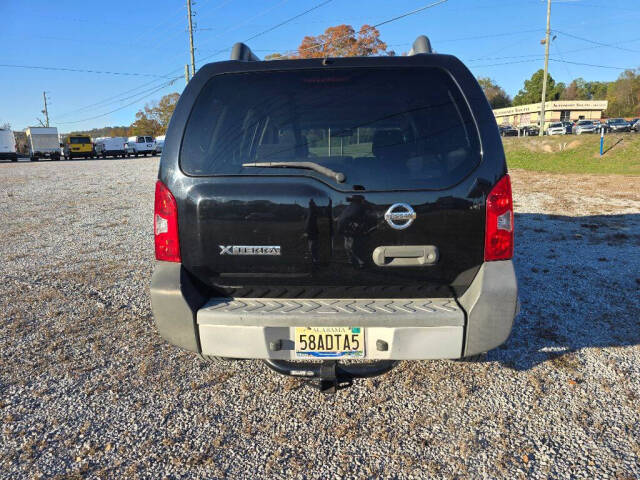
406	256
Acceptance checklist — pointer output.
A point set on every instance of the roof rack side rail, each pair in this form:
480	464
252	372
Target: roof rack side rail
421	45
241	52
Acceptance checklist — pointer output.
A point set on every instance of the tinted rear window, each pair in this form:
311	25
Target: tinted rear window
79	140
384	129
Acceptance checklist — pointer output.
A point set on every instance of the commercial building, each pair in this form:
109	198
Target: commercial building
555	111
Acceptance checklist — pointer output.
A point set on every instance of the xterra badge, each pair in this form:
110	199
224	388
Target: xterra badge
249	250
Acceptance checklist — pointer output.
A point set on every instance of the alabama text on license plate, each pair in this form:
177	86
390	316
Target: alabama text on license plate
330	342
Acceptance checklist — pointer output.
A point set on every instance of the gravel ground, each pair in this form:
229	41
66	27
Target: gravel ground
88	389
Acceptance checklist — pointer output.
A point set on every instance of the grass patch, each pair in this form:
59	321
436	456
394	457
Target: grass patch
575	154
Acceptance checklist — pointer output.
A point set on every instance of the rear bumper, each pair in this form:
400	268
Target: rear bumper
395	329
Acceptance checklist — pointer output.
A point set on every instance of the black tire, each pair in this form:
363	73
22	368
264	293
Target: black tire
34	159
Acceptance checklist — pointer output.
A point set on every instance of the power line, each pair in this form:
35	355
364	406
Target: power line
609	45
118	100
589	64
412	12
241	24
124	106
555	45
551	60
538	55
79	70
509	63
109	100
112	99
270	29
155	29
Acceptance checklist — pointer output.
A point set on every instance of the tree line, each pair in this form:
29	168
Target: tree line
623	94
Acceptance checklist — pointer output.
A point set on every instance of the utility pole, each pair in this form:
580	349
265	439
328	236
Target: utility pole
45	111
193	59
546	69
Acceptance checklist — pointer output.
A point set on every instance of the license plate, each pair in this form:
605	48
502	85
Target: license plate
330	342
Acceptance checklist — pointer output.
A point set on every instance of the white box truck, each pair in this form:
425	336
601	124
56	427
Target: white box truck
8	145
43	142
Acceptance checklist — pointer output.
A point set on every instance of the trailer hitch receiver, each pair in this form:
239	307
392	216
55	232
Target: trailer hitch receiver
330	376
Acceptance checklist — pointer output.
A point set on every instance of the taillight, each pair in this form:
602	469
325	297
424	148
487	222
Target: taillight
165	225
498	239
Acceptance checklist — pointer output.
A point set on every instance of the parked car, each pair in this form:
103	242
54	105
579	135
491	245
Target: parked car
508	131
140	145
557	128
280	234
110	147
8	149
568	127
586	126
43	143
530	131
635	125
616	125
78	146
159	144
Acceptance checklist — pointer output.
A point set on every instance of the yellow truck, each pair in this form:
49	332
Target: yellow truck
78	146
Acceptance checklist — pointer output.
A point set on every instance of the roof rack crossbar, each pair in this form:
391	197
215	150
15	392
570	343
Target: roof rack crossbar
241	52
421	45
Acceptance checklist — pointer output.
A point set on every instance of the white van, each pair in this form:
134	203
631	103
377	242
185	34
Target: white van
140	145
159	144
110	146
8	145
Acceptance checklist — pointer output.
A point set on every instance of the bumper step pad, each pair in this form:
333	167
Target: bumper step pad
373	312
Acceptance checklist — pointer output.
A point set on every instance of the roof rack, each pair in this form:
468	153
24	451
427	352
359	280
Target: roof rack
421	45
243	53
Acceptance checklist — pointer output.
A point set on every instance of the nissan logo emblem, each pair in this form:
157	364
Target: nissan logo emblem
400	216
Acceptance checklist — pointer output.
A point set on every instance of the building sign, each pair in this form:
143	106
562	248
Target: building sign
572	105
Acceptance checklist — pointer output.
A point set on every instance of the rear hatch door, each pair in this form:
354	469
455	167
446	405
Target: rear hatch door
405	221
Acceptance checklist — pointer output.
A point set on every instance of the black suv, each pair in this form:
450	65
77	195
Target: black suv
317	210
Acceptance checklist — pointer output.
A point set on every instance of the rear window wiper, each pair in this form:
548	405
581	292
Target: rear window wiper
337	176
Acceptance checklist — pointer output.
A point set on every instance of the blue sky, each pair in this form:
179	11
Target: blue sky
495	38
